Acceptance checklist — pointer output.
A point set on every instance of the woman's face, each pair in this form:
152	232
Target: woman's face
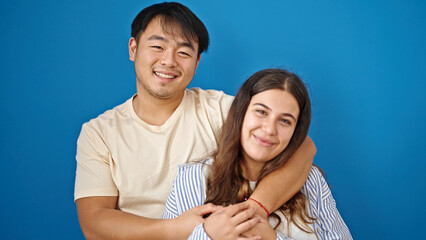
268	126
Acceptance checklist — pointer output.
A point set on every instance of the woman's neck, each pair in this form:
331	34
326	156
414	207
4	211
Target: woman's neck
252	169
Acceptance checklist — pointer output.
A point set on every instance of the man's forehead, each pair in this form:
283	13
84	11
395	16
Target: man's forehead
173	30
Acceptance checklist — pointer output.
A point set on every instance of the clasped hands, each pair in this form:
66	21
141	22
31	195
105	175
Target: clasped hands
234	222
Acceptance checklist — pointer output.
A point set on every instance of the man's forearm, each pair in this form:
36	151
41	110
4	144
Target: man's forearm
115	224
279	186
100	222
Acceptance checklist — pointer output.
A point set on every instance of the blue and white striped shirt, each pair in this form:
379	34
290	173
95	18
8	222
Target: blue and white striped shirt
189	191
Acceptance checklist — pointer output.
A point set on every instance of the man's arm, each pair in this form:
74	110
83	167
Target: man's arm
98	215
279	186
99	219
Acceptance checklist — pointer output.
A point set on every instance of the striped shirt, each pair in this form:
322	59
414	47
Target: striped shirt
189	191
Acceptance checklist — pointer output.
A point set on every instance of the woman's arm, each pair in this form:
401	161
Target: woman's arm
279	186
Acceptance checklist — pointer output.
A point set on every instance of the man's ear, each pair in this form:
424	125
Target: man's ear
198	61
132	48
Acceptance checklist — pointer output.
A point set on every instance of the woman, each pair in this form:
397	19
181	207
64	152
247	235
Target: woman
268	120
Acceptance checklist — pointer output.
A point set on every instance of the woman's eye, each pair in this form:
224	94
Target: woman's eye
285	121
261	112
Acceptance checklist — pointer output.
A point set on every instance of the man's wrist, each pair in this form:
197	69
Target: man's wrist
178	229
261	205
172	229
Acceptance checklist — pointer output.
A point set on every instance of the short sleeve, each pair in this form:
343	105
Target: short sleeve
216	105
93	172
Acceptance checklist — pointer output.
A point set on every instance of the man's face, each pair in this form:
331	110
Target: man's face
165	63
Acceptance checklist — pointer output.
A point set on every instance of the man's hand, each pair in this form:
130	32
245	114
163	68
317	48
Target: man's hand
230	222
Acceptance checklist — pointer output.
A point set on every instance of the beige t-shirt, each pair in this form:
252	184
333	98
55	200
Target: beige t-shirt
118	154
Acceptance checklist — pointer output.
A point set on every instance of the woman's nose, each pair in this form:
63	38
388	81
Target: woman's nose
269	126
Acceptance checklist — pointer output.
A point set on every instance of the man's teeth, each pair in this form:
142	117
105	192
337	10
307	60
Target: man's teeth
164	75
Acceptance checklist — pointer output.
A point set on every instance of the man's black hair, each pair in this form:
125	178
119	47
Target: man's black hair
172	14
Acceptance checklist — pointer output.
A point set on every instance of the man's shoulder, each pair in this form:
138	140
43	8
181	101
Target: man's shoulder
208	94
118	113
210	100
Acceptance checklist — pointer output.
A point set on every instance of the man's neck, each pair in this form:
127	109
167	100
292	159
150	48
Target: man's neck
155	111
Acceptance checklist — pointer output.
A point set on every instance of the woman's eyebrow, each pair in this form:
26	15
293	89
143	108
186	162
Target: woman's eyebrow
262	105
283	114
289	115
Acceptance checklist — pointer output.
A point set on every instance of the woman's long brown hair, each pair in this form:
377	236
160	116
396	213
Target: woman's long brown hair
226	182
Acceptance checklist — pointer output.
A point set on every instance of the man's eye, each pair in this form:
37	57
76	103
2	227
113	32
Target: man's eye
184	54
157	47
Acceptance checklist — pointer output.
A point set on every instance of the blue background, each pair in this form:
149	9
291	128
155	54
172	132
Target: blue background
65	62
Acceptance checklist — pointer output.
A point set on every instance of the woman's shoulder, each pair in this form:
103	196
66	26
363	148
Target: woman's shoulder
187	187
316	183
194	167
316	173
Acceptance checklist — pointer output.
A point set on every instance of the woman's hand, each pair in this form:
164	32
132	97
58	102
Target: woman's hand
230	222
263	228
188	220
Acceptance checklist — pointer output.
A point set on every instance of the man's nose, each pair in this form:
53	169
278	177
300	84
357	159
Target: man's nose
168	59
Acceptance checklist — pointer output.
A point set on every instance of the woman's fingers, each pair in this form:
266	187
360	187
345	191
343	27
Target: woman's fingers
244	215
247	224
232	210
206	208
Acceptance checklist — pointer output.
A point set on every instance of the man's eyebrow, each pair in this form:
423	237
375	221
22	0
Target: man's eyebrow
284	114
187	44
156	37
181	44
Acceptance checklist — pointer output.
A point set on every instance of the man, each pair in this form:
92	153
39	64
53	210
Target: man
127	157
